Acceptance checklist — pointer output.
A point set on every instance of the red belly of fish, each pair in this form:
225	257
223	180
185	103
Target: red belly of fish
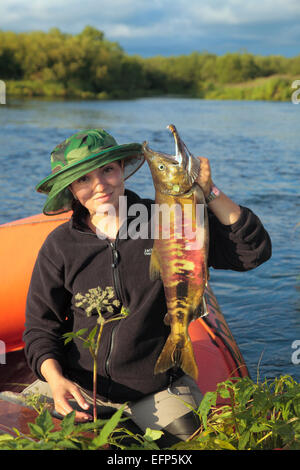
183	268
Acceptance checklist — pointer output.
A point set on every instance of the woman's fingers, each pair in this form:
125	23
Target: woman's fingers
204	178
63	406
79	398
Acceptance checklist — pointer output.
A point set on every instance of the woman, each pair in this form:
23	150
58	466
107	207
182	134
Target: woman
88	173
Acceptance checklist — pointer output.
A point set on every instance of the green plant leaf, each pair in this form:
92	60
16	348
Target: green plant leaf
68	423
68	337
224	392
296	404
259	427
36	430
6	437
244	391
89	426
261	401
224	444
81	332
92	334
44	421
243	440
152	434
68	444
284	430
207	402
124	311
108	428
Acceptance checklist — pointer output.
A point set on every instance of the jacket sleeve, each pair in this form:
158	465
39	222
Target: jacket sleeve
47	309
241	246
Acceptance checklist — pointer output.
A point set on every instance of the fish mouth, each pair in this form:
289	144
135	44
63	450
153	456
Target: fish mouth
173	159
182	155
178	141
186	164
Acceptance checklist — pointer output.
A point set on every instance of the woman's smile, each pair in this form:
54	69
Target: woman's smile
102	197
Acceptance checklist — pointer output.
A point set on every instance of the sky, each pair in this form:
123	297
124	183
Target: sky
168	27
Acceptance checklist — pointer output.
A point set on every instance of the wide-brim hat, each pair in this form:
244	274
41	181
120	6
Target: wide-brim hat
78	155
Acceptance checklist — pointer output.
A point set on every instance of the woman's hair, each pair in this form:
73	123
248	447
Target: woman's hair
79	211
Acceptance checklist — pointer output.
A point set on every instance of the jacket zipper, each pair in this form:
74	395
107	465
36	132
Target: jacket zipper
115	262
117	286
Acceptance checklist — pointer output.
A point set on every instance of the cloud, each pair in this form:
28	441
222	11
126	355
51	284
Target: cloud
237	12
154	24
128	12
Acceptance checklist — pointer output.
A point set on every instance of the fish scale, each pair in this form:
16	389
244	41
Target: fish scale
177	259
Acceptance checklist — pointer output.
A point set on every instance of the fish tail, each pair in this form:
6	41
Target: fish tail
177	354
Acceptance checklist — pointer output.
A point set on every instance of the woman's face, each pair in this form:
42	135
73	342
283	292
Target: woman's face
100	188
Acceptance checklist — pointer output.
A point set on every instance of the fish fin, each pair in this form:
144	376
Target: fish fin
167	319
197	312
200	199
205	311
154	266
194	169
201	310
175	355
199	194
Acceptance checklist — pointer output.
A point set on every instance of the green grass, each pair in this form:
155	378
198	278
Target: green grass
274	88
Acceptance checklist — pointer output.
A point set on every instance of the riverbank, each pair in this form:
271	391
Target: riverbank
273	88
88	66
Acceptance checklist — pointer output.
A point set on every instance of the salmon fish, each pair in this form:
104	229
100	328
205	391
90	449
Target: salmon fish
180	249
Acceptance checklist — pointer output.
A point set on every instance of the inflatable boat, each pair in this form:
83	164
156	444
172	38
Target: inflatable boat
217	354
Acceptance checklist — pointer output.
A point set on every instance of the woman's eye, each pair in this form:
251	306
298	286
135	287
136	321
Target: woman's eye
107	169
82	179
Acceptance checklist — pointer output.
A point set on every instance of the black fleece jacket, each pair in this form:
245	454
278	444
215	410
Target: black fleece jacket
73	260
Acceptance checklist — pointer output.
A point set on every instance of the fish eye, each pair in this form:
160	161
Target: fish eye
161	167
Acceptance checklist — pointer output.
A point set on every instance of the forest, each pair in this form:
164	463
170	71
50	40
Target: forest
88	66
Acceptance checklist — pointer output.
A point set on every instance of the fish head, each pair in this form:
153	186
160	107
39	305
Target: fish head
172	174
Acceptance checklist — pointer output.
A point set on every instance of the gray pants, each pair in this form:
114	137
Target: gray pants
165	410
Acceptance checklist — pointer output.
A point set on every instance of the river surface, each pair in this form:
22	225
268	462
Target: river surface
254	152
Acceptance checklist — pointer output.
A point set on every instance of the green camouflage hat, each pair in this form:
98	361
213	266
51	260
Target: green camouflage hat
79	154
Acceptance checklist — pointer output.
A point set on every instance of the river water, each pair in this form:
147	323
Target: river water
254	152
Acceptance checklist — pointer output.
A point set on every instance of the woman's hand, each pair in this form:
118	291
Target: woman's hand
63	390
227	211
204	179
